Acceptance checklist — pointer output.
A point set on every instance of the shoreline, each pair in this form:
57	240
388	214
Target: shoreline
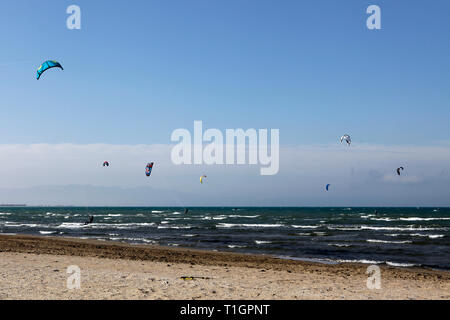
116	270
73	246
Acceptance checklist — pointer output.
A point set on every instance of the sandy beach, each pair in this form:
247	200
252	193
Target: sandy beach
33	267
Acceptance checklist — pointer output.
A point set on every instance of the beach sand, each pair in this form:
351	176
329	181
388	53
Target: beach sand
33	267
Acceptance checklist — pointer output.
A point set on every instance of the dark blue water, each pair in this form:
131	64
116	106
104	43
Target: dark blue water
395	236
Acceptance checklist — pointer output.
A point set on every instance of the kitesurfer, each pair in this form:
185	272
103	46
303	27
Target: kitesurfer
91	219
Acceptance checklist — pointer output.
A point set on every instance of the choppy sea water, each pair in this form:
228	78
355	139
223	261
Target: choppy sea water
394	236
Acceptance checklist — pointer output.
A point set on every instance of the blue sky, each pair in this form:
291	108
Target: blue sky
140	69
137	70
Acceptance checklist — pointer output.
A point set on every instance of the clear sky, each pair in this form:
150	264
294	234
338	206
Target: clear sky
137	70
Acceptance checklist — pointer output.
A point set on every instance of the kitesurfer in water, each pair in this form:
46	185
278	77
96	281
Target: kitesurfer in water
91	219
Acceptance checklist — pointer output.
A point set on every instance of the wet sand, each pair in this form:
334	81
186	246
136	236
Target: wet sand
33	267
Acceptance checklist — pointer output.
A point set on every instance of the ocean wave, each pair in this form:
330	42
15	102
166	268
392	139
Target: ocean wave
30	225
74	225
383	228
107	215
262	242
431	236
47	232
133	239
360	261
214	218
423	219
174	227
343	228
397	264
385	241
305	227
340	245
157	211
406	228
389	263
409	219
240	216
235	246
384	219
237	225
71	225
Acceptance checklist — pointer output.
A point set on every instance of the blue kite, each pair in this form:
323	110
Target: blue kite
148	169
47	65
328	187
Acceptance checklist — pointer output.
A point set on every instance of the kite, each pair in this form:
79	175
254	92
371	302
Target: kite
47	65
347	139
148	169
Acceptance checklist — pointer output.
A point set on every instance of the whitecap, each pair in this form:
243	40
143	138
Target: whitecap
423	219
174	227
407	228
305	227
397	264
239	216
262	242
339	245
231	225
47	232
384	241
431	236
361	261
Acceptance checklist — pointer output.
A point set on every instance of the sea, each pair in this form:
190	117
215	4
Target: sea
401	237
